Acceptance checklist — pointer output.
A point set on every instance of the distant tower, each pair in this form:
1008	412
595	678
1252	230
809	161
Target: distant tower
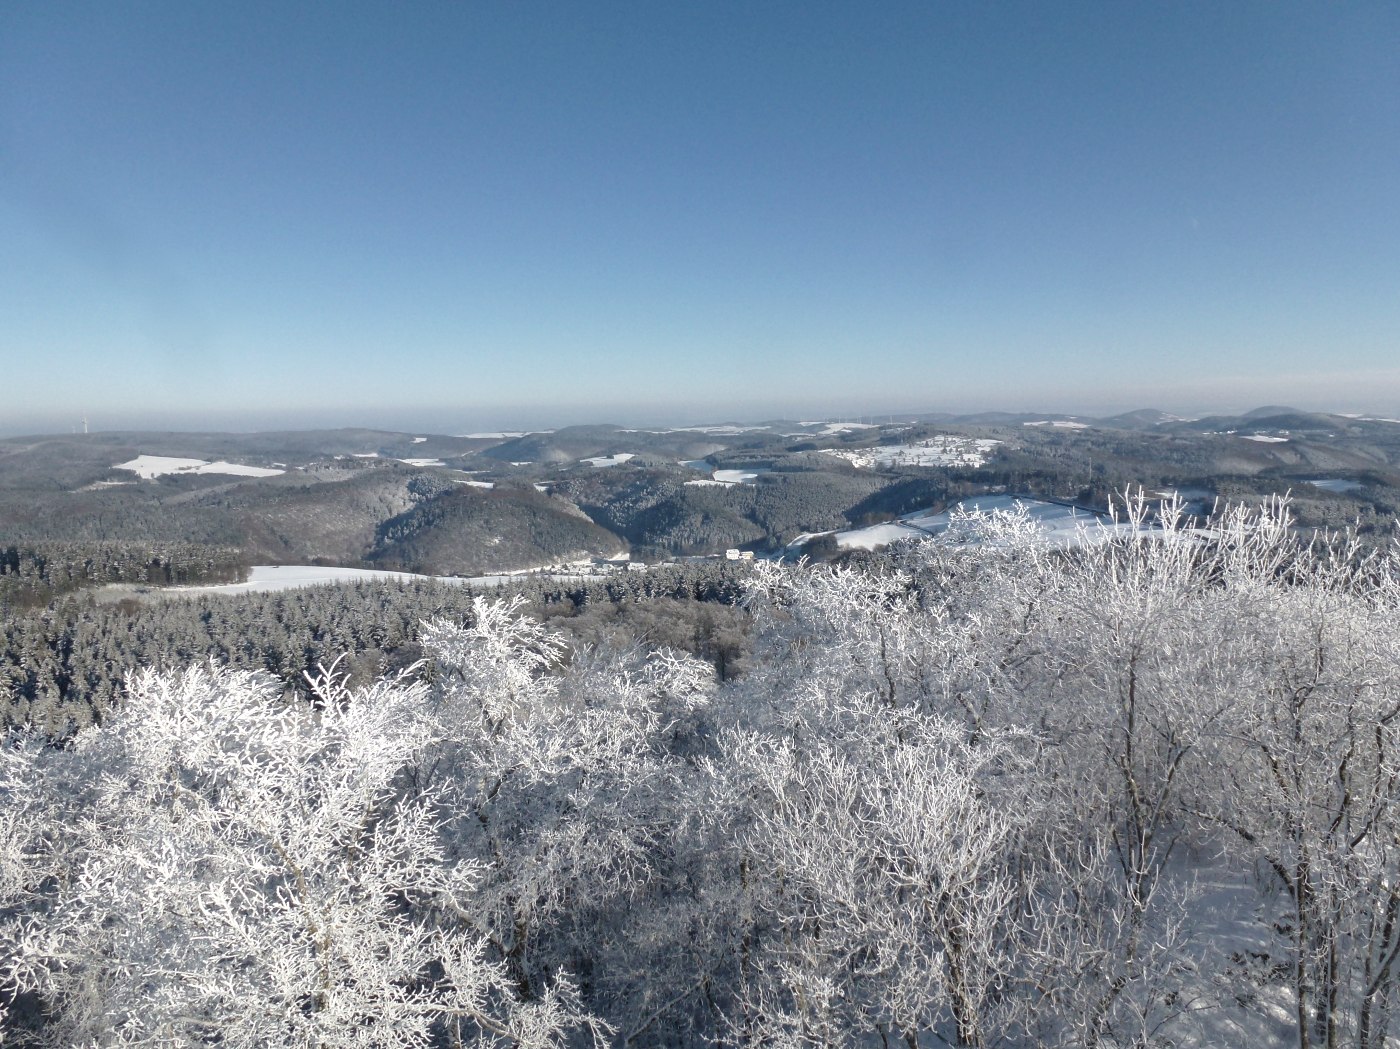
85	429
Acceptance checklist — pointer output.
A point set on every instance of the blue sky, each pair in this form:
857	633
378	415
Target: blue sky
468	214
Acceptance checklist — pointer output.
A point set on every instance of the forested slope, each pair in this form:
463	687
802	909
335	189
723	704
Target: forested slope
984	793
469	531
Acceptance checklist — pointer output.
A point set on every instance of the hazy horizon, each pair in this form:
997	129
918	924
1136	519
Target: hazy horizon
537	418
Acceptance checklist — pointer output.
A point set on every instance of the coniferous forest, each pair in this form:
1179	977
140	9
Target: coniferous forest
978	791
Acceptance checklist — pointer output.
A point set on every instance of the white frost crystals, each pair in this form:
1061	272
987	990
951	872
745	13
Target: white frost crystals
216	864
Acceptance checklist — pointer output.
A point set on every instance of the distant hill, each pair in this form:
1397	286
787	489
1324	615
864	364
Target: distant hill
425	502
471	531
1141	419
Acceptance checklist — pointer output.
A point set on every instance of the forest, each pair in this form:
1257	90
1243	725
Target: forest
975	792
63	663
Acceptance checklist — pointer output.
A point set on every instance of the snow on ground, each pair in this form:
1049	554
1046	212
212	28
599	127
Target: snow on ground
1186	495
238	469
1263	438
716	431
269	578
420	440
942	450
496	435
479	484
722	478
1063	424
1336	484
265	578
152	466
609	460
365	455
833	429
423	462
1060	524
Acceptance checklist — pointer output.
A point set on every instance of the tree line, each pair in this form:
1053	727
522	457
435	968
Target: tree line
64	666
32	574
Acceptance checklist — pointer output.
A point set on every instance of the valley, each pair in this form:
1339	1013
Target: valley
500	502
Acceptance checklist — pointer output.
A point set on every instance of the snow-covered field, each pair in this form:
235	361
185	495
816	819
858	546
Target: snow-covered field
265	578
1336	484
269	578
722	478
833	429
716	431
1263	438
1061	525
943	450
423	462
609	460
1185	494
1063	424
149	467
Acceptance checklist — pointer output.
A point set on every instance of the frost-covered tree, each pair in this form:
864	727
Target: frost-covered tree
573	789
218	865
888	890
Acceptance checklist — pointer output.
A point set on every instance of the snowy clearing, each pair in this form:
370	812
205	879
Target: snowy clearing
423	462
271	578
736	476
477	484
943	450
420	440
1061	525
1263	438
712	484
1184	494
717	431
1336	484
266	578
496	435
1063	424
149	467
834	429
609	460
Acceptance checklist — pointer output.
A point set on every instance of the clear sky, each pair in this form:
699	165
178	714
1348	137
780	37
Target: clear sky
493	213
